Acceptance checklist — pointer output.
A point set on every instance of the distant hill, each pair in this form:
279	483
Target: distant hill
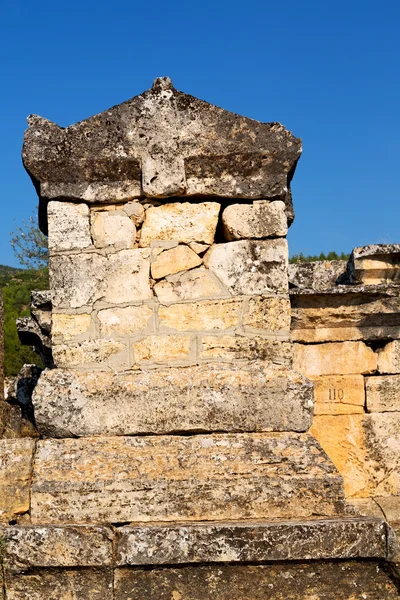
16	286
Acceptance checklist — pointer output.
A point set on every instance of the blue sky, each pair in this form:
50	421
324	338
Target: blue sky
329	71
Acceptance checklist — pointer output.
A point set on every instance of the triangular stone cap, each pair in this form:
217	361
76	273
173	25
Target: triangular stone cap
160	144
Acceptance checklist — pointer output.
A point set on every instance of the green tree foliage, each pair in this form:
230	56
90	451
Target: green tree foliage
30	245
16	286
300	257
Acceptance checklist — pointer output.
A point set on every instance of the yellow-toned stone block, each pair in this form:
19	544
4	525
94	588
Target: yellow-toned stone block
67	327
339	394
334	359
95	352
173	261
126	321
389	358
206	315
16	462
162	348
231	347
267	314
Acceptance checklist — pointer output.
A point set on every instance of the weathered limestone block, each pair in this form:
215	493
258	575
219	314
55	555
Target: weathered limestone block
81	280
56	584
41	305
365	450
181	258
215	397
181	221
390	506
174	478
334	359
249	266
251	542
317	275
16	458
66	327
161	144
239	347
379	263
68	226
205	315
12	423
126	321
383	393
163	349
267	314
29	547
339	394
30	334
91	353
196	284
389	358
112	228
352	580
346	313
262	219
135	211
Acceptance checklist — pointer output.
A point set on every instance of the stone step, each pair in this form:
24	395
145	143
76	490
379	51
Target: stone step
216	397
176	478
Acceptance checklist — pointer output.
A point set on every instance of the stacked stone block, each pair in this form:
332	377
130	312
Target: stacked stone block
175	459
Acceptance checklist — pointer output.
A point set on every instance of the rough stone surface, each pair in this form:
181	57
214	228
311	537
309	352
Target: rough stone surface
383	393
161	144
232	348
334	359
379	263
91	353
126	321
16	457
173	261
41	304
352	580
174	478
67	327
162	348
267	314
181	221
112	228
339	394
346	313
317	275
81	280
206	315
365	450
249	266
193	285
65	584
251	542
30	547
213	397
262	219
12	423
68	226
389	358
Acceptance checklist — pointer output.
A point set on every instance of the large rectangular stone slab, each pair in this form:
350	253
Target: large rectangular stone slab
338	394
251	542
334	359
375	264
346	313
57	584
383	393
29	547
325	580
16	458
175	478
68	226
217	397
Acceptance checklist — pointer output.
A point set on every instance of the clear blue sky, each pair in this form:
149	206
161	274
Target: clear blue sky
329	71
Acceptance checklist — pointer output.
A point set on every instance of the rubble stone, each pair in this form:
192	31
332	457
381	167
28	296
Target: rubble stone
205	315
91	353
317	275
178	478
66	326
262	219
232	348
383	393
192	285
212	397
389	358
162	348
173	261
249	266
334	359
267	314
68	226
181	221
126	321
375	264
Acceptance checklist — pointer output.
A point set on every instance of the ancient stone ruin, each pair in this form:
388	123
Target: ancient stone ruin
175	459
